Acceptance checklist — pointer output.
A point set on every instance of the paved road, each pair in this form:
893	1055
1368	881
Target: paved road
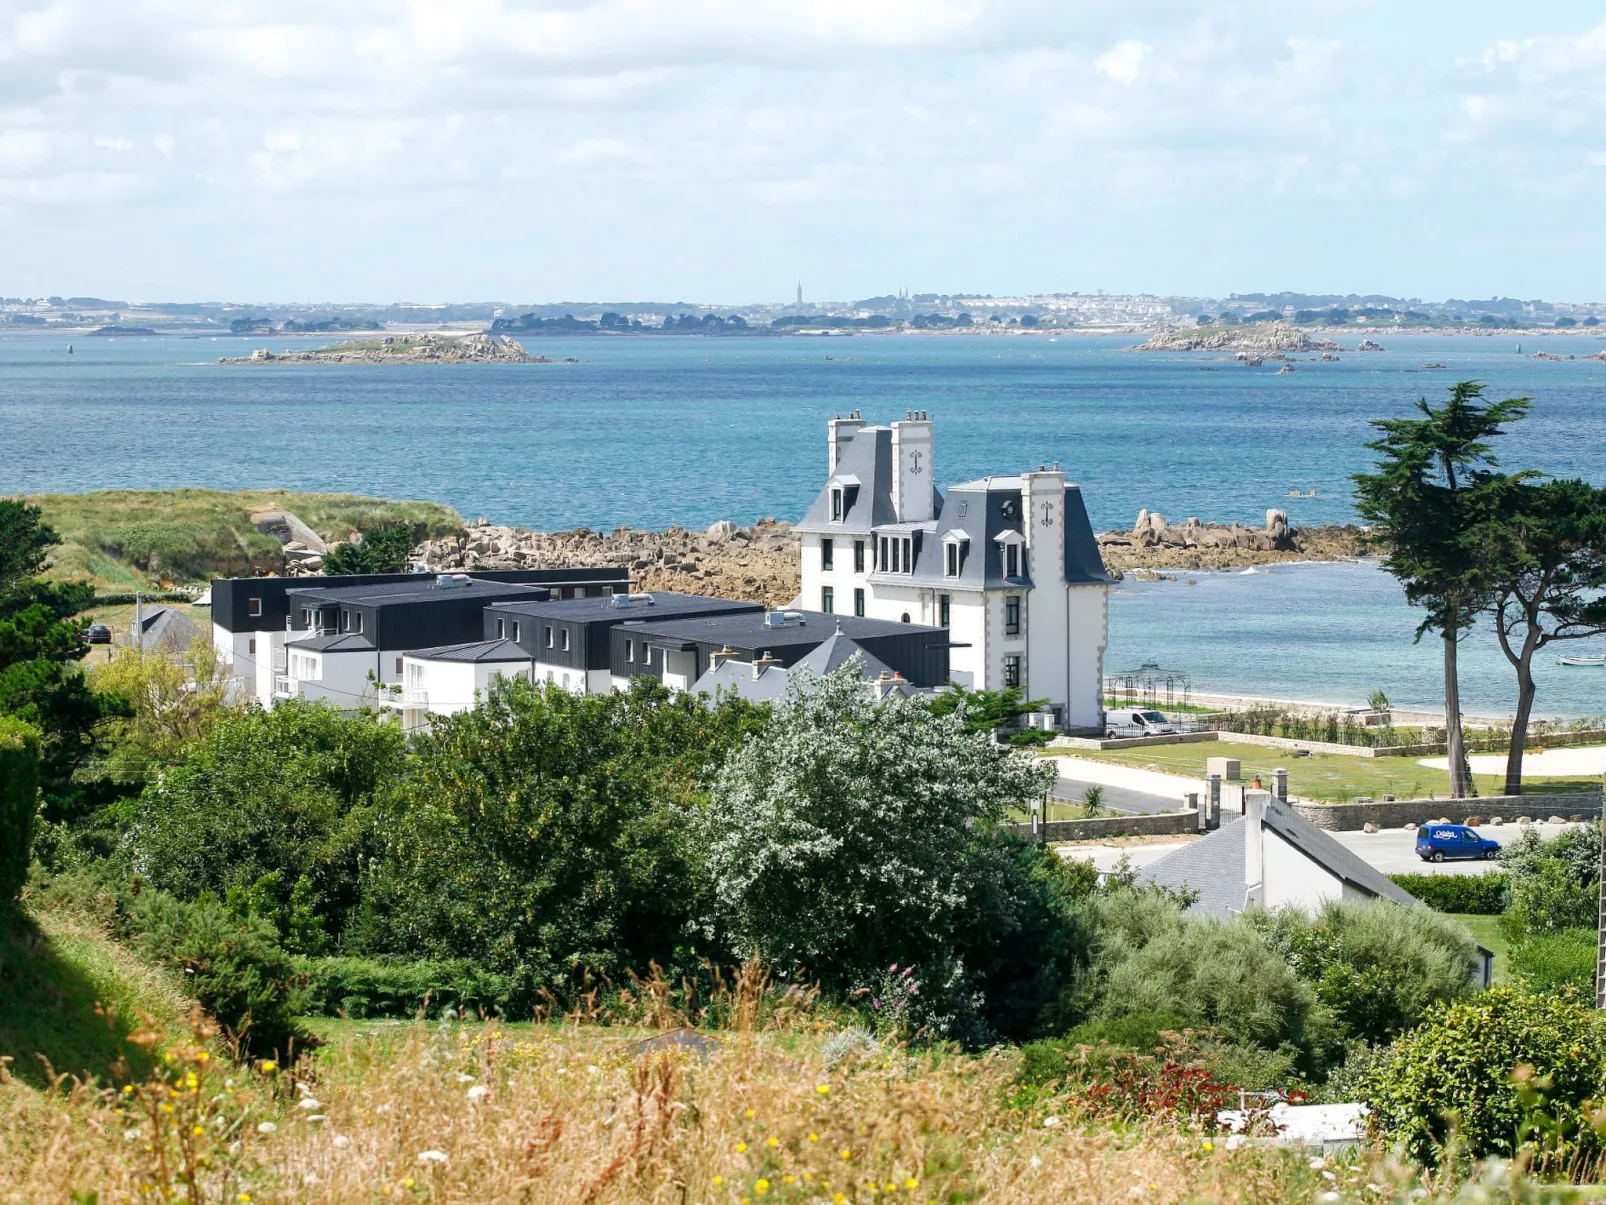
1392	851
1117	799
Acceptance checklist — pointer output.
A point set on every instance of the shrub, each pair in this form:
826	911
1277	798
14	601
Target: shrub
847	836
1559	961
1504	1067
376	987
233	966
19	804
1376	967
1469	894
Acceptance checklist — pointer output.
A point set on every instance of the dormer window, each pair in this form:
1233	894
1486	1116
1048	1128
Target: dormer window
1011	560
836	504
951	559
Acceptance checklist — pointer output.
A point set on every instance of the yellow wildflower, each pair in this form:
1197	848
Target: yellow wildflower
911	1184
719	1179
823	1089
762	1187
267	1065
741	1148
773	1142
814	1137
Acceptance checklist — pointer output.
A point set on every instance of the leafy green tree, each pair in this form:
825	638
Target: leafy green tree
1430	497
1545	547
384	550
983	710
19	804
1507	1068
847	836
543	835
265	801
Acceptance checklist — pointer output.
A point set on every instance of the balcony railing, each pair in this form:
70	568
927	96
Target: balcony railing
283	687
415	698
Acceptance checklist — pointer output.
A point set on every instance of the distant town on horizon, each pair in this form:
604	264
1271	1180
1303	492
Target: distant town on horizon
893	311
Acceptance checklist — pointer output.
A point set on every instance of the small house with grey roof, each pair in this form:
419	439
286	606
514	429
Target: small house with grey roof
1007	566
1272	857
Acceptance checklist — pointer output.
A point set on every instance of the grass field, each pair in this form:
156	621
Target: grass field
1486	932
1332	777
123	539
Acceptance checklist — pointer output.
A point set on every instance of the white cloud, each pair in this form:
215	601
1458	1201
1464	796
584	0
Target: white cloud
1122	61
931	122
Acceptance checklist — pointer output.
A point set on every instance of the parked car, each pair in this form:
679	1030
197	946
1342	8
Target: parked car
1438	842
97	633
1143	720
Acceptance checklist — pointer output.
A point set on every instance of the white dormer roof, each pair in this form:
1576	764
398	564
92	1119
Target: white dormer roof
1009	536
955	536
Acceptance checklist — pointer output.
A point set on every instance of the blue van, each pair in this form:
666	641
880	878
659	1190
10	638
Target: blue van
1436	842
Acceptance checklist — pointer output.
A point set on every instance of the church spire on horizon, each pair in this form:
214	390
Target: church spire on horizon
800	292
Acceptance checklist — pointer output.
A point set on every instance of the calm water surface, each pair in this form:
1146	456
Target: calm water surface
653	431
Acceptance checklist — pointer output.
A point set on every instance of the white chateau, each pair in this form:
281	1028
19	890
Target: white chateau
1008	565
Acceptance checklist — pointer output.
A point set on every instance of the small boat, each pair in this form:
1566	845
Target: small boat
1564	659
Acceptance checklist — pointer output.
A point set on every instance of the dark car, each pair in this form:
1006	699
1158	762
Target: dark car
1438	842
97	633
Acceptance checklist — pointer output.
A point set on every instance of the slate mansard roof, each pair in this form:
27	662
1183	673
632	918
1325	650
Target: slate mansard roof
972	511
657	604
343	642
382	594
864	470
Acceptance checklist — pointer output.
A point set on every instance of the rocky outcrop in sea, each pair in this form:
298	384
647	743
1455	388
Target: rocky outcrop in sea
428	348
1192	544
1257	339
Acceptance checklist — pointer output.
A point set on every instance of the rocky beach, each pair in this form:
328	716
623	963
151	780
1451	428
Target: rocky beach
760	563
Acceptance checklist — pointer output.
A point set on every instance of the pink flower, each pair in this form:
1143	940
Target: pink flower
907	971
893	969
874	1003
914	989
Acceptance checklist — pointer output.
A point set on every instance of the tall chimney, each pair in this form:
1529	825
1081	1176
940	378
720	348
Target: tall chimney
838	432
1255	844
912	469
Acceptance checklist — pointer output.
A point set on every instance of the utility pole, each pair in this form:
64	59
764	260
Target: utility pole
1600	917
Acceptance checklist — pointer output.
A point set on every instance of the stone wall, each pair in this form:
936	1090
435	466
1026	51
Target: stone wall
1163	824
1348	817
1130	742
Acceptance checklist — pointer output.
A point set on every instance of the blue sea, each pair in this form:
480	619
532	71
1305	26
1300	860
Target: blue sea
647	432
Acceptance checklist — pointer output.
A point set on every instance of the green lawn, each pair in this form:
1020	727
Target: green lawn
1486	932
1333	777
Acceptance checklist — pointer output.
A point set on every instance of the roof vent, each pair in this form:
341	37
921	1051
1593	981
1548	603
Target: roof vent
450	581
783	619
631	600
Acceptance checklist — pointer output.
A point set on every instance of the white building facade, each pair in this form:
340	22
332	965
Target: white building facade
1008	565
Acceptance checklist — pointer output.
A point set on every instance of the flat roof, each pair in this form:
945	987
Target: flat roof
342	642
748	629
381	594
475	650
664	603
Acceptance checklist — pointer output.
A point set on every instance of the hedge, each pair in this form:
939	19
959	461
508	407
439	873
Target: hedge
376	987
19	803
1475	894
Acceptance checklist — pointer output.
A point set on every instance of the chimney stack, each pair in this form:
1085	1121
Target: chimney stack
1255	844
839	432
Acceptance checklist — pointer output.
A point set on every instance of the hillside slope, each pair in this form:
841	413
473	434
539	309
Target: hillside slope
123	539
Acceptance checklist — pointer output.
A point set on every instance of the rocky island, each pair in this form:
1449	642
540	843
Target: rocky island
1261	340
428	348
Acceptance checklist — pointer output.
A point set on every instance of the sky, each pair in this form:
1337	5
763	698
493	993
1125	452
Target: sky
723	150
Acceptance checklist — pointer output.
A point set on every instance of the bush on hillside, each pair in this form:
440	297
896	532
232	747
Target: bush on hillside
266	800
1559	961
1469	894
376	987
543	836
848	836
1375	967
1498	1069
1553	884
19	804
233	966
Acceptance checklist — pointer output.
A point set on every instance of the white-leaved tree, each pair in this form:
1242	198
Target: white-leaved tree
850	835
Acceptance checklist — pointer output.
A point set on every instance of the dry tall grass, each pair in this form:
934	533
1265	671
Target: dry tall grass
776	1108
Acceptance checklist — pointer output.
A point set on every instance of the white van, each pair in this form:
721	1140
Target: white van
1136	721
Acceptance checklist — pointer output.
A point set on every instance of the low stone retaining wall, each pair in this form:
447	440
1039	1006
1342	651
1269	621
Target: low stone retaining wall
1348	817
1130	742
1288	742
1163	824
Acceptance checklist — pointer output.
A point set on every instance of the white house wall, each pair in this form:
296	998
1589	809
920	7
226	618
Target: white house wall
1087	634
1292	880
